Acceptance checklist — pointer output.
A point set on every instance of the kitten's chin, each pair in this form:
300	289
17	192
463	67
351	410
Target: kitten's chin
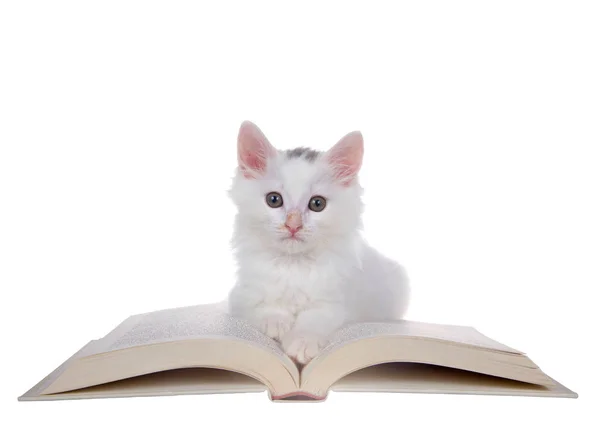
293	245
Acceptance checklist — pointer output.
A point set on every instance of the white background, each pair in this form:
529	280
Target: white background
117	145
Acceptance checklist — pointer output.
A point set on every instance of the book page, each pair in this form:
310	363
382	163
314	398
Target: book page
171	382
191	322
449	333
424	378
368	344
172	339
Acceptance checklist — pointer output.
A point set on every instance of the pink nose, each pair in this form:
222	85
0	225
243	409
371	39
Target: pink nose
293	222
293	230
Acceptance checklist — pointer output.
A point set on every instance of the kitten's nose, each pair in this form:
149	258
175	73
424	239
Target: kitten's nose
293	222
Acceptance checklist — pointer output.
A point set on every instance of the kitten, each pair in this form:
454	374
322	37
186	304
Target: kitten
303	268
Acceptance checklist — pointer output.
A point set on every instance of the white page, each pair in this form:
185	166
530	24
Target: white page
191	322
451	333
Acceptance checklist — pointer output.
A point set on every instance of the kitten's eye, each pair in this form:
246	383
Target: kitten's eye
274	200
317	203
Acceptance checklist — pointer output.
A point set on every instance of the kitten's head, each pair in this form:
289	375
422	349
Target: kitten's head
296	200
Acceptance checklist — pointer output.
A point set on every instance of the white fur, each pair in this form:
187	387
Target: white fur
299	292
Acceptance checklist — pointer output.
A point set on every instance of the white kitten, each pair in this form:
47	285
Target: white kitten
303	268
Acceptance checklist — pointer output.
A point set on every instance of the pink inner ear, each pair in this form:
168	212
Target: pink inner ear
253	150
346	157
252	161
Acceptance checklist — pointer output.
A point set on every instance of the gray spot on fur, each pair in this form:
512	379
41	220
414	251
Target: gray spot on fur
303	152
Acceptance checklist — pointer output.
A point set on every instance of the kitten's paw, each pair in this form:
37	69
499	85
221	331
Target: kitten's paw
302	347
276	325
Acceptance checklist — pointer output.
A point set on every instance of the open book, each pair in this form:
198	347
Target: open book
201	350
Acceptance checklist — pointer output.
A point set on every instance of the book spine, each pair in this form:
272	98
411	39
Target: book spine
298	396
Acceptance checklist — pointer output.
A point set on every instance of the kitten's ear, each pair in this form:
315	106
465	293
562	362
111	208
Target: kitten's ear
253	150
346	157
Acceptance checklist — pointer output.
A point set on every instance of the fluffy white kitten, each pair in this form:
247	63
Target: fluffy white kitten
303	267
